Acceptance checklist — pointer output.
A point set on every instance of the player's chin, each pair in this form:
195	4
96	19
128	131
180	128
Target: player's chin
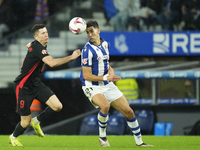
47	40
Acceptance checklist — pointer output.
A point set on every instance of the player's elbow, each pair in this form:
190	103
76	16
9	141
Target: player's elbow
52	64
49	61
85	76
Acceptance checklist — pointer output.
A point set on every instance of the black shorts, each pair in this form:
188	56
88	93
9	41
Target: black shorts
25	98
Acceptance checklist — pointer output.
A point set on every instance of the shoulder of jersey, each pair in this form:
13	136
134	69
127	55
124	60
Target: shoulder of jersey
85	48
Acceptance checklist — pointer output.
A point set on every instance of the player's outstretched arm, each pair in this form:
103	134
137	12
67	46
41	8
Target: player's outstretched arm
76	54
60	61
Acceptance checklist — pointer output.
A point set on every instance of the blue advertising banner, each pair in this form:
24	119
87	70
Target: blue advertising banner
162	101
129	74
153	43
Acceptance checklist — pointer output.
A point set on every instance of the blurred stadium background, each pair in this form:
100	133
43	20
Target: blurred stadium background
165	65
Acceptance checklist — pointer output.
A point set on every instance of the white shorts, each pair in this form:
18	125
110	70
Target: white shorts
109	91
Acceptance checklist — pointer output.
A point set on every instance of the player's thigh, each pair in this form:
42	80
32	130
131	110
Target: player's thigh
54	103
101	101
121	104
44	93
95	95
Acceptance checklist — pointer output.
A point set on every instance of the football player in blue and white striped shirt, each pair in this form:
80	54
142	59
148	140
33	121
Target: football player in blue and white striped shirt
96	77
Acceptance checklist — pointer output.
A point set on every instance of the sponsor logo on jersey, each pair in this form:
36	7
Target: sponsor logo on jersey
44	51
99	58
105	57
84	61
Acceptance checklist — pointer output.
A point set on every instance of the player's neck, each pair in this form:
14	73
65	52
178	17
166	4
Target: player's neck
43	43
98	42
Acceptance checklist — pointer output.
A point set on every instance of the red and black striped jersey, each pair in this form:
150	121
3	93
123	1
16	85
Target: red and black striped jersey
32	66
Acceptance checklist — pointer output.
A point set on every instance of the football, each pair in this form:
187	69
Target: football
77	25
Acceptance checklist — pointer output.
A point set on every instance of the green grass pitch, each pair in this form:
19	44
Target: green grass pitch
51	142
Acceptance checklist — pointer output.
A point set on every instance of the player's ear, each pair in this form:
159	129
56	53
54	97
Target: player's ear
35	36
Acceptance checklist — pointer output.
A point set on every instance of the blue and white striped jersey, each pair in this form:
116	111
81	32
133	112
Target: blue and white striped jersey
96	57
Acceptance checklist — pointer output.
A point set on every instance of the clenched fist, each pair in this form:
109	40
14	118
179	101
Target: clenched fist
76	54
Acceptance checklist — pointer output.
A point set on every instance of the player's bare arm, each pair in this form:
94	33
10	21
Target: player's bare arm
111	72
60	61
89	76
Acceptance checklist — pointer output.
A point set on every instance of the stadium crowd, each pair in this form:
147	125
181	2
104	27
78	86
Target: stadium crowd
15	14
119	14
167	13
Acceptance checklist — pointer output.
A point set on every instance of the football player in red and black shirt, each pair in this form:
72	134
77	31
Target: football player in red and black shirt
28	85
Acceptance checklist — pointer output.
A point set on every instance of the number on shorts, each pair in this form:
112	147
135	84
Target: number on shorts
88	91
22	104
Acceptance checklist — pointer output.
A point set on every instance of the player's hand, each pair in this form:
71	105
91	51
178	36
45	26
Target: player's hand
116	78
76	54
28	45
110	77
113	78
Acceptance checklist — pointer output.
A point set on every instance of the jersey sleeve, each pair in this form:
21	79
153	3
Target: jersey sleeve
40	51
86	57
108	45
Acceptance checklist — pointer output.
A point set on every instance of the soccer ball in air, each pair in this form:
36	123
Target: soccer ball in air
77	25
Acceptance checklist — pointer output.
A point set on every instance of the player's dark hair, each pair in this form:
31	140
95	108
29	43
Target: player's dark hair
36	27
92	23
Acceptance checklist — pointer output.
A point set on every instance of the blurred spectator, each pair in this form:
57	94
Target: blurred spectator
191	15
5	11
170	14
120	20
140	14
42	11
22	13
154	5
5	16
189	89
129	87
4	29
109	10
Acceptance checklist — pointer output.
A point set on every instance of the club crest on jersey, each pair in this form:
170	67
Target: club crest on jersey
30	49
44	51
84	61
